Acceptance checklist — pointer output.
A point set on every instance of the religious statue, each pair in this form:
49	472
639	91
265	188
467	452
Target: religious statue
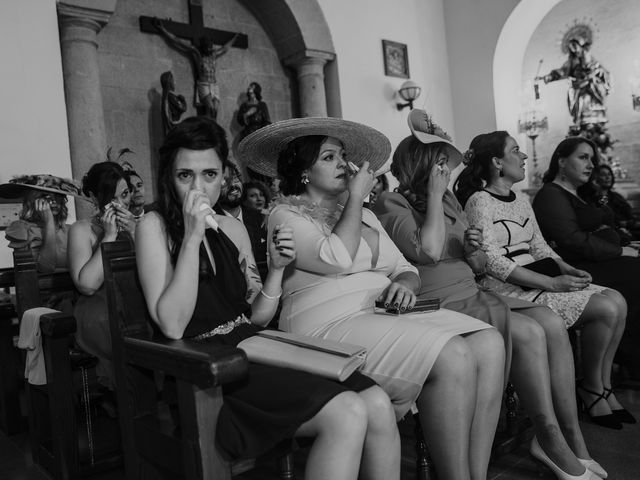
590	82
204	63
173	105
253	113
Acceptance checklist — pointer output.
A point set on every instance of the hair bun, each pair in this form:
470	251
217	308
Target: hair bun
468	156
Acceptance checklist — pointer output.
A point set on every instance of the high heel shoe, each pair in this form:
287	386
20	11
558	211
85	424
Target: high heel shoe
609	420
594	466
537	452
622	414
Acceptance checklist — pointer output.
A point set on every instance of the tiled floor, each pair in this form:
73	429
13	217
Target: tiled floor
617	451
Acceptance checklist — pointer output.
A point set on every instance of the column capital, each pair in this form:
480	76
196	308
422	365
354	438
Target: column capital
90	11
308	57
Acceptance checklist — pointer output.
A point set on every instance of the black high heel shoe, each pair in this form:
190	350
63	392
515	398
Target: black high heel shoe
621	414
610	420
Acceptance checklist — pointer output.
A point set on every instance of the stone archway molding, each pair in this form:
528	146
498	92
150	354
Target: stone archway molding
509	56
302	39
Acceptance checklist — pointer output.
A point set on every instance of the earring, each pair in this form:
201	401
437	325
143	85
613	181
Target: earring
501	174
563	177
305	179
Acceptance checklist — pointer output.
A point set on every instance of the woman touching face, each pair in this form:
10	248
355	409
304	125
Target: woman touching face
198	170
122	195
329	172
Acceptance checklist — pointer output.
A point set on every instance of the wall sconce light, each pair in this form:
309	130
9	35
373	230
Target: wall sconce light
409	91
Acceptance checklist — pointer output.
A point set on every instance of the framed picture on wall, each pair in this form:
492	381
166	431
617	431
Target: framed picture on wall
396	59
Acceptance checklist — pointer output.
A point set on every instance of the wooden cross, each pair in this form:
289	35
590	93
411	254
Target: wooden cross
195	29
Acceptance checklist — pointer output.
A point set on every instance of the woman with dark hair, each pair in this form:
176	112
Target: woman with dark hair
256	196
521	264
200	282
42	226
449	364
429	226
584	234
105	183
253	113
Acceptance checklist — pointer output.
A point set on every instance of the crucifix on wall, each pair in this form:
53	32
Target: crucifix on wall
199	43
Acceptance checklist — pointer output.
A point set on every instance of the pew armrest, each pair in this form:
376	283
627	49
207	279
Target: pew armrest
202	364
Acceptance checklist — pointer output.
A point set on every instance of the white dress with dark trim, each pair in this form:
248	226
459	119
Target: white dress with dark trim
512	237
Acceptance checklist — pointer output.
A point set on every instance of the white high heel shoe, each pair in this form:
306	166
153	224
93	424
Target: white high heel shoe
594	466
538	453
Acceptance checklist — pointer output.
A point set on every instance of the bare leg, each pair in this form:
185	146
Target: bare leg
531	376
488	349
598	321
381	453
447	404
607	363
339	429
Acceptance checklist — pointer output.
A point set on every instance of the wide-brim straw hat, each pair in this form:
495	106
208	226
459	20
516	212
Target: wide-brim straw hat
260	150
18	186
427	132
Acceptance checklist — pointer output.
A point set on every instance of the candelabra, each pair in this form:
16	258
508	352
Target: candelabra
532	123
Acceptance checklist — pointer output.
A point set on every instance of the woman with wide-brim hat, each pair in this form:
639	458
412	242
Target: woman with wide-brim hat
430	228
42	226
346	262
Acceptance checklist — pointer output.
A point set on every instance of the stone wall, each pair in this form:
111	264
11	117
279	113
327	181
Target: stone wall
131	63
616	45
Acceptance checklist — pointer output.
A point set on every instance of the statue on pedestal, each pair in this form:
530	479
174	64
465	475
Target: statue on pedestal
590	81
173	105
204	63
253	113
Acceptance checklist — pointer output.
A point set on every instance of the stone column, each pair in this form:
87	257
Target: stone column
310	72
79	26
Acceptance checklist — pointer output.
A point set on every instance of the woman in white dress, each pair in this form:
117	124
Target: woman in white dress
449	364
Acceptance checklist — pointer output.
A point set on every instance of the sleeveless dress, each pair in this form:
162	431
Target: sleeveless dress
271	403
328	294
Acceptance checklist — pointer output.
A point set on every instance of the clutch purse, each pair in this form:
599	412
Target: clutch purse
546	266
327	358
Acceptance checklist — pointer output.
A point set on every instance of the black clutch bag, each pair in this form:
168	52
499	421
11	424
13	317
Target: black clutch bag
547	266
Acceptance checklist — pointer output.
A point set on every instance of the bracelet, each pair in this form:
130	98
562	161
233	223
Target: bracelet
269	297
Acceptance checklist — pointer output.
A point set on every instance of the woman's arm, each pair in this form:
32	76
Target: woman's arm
349	226
85	258
559	222
170	293
46	256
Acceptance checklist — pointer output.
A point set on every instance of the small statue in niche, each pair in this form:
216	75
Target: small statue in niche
204	64
590	81
253	113
173	105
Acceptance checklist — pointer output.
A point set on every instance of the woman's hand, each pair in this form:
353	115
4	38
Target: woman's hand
569	283
361	183
44	208
124	218
399	296
109	223
438	180
282	250
193	214
629	252
473	240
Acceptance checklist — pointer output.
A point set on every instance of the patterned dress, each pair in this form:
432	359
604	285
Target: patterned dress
328	294
511	238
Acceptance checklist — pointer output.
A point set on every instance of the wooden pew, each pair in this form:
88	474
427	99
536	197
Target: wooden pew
61	440
156	443
11	419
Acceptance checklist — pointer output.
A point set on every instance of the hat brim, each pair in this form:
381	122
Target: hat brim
455	157
260	150
17	190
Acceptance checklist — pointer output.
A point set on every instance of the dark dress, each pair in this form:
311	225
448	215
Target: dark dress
271	403
572	225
